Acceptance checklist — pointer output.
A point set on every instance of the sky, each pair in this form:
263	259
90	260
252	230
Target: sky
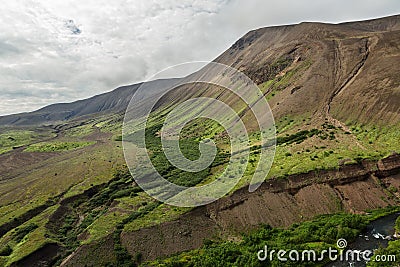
55	51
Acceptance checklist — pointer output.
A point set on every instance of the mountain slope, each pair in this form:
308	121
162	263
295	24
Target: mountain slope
321	59
352	73
112	102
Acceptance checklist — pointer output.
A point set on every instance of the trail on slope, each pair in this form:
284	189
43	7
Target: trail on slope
348	81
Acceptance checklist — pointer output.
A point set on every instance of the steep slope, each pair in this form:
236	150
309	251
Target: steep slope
348	71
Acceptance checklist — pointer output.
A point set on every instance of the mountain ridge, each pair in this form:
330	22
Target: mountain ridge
114	101
117	100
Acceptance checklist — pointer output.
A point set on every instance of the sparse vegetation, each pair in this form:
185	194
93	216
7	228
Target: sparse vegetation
6	251
57	146
80	131
10	140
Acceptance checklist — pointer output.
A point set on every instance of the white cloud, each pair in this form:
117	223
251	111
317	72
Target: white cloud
57	51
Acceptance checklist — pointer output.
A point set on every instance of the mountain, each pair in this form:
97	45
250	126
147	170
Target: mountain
67	198
113	102
348	71
330	67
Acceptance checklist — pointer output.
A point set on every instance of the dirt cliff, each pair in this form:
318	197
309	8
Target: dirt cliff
353	188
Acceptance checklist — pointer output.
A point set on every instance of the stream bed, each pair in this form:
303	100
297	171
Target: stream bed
376	235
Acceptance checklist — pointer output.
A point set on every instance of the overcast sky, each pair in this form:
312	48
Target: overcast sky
63	50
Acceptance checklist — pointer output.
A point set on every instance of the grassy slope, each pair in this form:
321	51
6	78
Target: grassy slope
14	138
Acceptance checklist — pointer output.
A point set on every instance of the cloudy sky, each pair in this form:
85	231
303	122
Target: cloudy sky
63	50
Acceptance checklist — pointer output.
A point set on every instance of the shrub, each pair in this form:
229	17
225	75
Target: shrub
6	251
20	233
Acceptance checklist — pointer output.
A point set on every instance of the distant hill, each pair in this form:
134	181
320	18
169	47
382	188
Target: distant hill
112	102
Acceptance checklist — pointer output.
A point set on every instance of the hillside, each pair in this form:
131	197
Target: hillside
351	74
66	196
113	102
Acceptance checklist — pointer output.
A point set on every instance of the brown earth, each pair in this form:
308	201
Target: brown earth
40	258
353	73
352	188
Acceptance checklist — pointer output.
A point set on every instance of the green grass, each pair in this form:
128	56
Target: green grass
189	148
328	147
14	139
378	139
76	172
79	131
162	213
28	237
113	125
57	146
106	223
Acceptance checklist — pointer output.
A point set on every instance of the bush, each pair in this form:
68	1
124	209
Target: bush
6	251
298	137
397	226
392	189
20	233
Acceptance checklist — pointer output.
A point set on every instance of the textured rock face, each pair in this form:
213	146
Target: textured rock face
389	166
353	188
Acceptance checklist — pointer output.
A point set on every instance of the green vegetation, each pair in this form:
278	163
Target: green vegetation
318	234
6	251
57	146
122	255
10	140
80	131
297	137
110	209
26	238
189	148
20	233
379	140
67	229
